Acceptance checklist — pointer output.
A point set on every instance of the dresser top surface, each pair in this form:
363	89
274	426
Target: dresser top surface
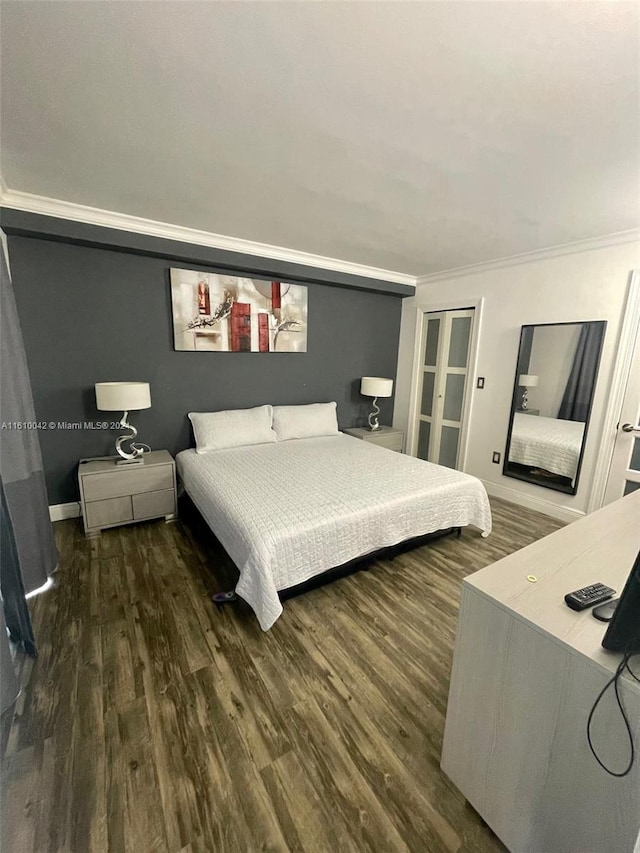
600	547
106	464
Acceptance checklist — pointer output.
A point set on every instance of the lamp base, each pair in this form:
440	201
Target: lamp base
138	461
373	416
136	451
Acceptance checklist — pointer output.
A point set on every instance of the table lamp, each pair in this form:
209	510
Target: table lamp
375	386
125	397
526	380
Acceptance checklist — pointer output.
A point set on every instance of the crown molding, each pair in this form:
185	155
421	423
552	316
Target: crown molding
59	209
538	255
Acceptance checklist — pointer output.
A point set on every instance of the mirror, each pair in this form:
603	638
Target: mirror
552	396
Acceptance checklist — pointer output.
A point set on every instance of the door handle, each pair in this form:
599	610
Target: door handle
630	428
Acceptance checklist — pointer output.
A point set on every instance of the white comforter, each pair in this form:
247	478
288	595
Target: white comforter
547	443
287	511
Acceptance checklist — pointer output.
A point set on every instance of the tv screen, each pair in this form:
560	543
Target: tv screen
623	633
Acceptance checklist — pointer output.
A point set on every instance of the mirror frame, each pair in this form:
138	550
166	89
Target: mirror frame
558	487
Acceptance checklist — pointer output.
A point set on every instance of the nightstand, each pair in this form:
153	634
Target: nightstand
112	494
389	437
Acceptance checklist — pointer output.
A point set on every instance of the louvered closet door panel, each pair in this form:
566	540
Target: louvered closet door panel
453	397
432	342
428	387
449	440
451	386
443	385
433	336
459	341
423	439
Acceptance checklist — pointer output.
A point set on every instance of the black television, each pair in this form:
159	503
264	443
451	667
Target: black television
623	633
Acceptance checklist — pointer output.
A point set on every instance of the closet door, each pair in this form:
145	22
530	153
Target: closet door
445	362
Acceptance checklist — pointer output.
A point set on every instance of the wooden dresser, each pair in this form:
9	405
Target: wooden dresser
112	494
526	673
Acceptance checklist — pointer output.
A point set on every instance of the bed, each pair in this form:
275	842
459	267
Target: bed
548	443
290	510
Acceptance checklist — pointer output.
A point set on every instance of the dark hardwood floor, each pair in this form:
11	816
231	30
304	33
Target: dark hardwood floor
153	721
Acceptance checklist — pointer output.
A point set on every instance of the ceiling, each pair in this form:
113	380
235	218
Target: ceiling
414	137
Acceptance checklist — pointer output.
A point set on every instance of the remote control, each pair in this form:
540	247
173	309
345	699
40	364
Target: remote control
588	596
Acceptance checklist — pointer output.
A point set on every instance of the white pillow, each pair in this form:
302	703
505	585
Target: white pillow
232	428
305	421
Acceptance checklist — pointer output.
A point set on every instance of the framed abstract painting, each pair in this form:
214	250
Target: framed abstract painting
224	313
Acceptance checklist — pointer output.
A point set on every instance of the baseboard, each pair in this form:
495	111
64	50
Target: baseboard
58	512
562	513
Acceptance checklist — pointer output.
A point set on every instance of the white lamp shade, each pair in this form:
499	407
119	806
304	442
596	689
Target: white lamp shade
122	396
375	386
528	380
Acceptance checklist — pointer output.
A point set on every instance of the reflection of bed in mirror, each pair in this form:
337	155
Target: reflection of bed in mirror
555	381
547	445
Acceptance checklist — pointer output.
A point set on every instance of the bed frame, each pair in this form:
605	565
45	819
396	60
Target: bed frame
358	564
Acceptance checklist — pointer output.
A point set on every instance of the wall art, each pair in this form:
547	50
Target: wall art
225	313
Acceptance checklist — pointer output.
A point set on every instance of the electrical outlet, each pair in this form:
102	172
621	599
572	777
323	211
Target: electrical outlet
496	457
480	382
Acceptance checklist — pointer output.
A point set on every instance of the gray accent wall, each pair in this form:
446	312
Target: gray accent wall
91	314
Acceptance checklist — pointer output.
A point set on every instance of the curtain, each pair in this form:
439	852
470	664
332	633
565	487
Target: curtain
10	684
16	611
582	378
29	553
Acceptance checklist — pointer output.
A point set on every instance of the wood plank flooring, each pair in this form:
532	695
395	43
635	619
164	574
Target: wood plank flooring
154	722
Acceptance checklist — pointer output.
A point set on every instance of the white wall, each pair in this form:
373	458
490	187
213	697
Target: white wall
587	285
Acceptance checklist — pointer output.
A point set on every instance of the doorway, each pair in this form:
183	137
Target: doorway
624	473
442	386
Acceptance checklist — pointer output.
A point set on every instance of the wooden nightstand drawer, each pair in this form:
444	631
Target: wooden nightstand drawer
153	504
113	494
108	512
127	481
392	441
385	436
